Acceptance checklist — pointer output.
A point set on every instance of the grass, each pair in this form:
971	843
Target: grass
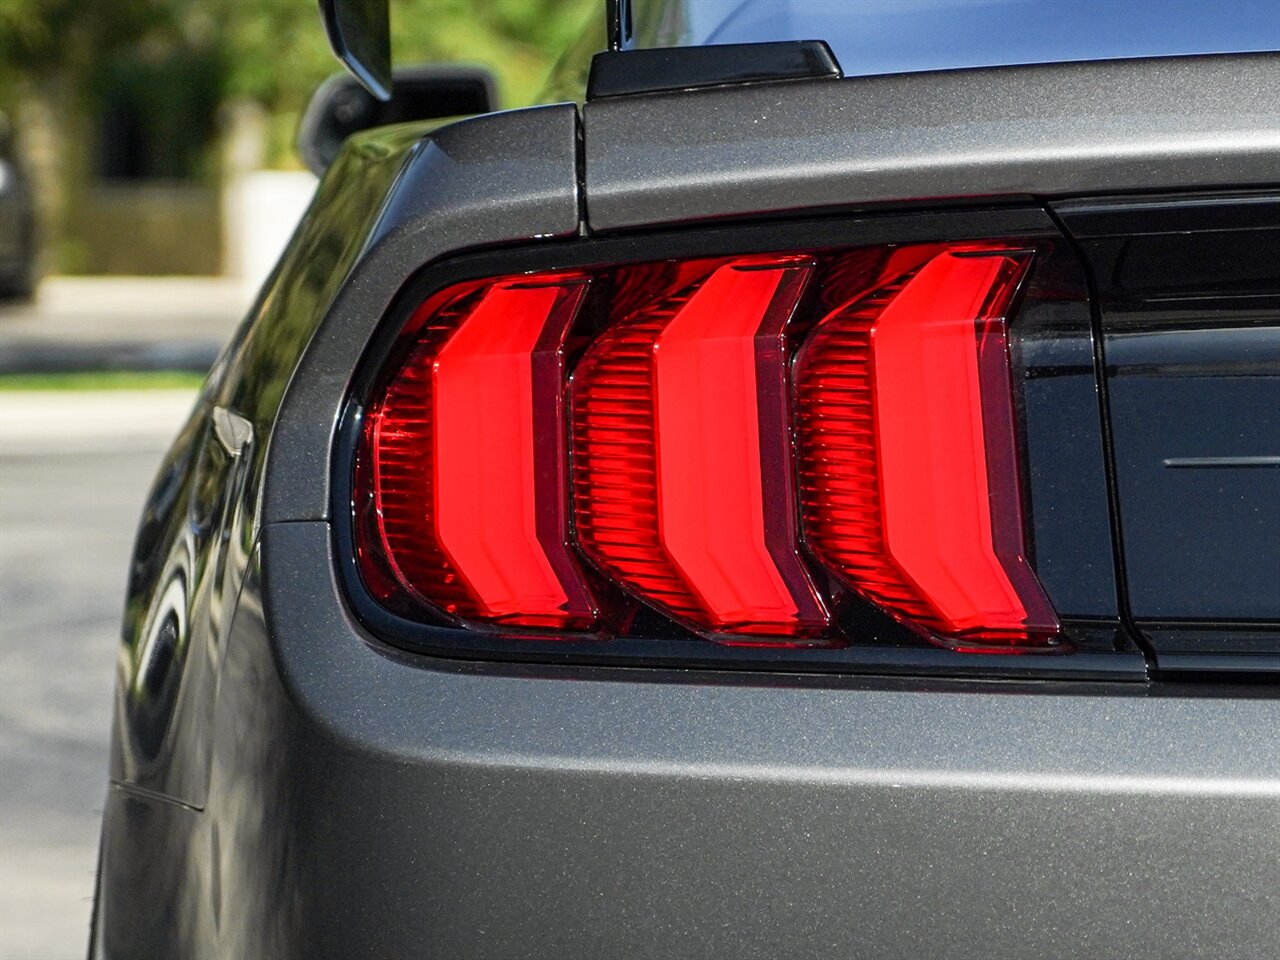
103	380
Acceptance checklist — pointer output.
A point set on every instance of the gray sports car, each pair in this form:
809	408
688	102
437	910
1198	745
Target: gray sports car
811	488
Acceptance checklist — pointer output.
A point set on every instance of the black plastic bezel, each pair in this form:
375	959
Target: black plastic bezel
900	653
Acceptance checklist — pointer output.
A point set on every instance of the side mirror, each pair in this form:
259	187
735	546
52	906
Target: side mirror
343	106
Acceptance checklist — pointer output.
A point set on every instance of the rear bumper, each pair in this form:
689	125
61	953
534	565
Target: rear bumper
365	803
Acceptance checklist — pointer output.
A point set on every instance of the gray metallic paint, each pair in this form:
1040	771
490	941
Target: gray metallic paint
354	800
206	510
200	521
493	179
367	804
1043	131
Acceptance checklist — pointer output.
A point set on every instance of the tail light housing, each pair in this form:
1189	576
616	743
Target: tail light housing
748	449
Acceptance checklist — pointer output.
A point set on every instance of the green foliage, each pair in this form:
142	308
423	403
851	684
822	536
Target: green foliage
102	380
270	51
280	54
135	88
64	42
169	102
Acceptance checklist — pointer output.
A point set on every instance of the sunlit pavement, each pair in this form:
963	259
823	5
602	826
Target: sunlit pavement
74	469
92	323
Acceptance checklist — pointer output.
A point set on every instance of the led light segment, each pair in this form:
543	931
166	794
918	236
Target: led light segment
682	466
909	470
615	462
726	513
836	438
468	456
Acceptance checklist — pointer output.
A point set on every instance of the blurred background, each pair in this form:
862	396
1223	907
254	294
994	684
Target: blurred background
148	181
142	122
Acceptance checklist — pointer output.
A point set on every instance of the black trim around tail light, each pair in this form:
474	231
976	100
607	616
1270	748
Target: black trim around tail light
737	425
732	448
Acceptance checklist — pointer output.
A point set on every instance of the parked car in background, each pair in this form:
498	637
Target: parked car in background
808	489
17	221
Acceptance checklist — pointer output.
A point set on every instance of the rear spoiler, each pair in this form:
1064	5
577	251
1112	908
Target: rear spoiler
360	35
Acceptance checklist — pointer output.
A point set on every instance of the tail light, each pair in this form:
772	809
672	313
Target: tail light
746	445
683	488
907	453
465	459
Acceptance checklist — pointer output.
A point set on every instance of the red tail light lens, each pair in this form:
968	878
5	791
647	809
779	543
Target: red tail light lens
908	458
681	446
719	431
466	463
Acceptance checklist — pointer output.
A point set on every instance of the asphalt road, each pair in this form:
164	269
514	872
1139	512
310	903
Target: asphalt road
74	468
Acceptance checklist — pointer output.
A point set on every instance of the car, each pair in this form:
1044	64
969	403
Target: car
808	488
17	222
